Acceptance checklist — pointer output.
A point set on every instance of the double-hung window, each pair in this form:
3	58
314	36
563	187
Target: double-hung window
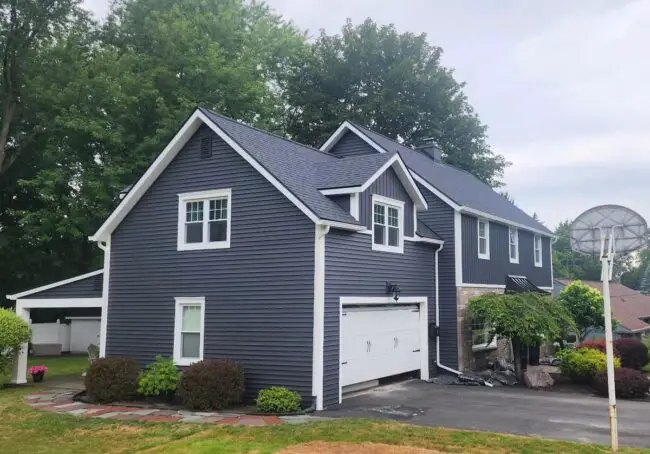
538	250
189	330
387	224
204	220
513	235
483	239
481	336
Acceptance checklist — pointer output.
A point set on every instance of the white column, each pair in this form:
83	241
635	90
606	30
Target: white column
20	370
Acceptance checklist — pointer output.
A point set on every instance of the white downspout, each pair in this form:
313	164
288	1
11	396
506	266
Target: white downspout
449	369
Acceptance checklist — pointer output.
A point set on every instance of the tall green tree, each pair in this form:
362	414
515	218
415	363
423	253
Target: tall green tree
568	264
586	306
393	83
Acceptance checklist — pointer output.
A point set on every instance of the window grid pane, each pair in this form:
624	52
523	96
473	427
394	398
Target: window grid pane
194	212
191	319
379	214
218	209
481	229
393	217
482	246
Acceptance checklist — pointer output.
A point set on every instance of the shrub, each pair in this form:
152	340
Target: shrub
212	384
629	383
278	399
160	378
113	379
595	345
14	332
633	353
582	365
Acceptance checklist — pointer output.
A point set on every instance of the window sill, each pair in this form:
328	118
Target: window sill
393	249
484	257
484	347
516	262
186	361
538	265
204	246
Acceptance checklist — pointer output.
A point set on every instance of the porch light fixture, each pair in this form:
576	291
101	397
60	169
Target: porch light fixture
394	290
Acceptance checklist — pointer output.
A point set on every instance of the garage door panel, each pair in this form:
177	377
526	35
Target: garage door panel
378	342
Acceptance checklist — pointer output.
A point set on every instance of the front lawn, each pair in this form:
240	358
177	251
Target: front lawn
24	430
58	366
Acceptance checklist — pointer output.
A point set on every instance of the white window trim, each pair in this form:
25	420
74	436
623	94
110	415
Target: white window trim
392	203
486	346
203	196
541	258
485	256
178	324
516	243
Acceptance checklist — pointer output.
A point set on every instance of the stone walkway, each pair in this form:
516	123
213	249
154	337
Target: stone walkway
60	401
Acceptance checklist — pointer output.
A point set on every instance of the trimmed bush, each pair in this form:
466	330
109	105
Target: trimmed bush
278	399
633	353
14	332
212	384
113	379
582	365
629	383
160	378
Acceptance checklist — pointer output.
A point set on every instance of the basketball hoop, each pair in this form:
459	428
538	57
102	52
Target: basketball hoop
605	231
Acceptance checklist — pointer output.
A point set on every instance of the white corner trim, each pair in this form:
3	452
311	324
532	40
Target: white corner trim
178	323
318	342
103	325
486	255
45	303
203	196
42	288
550	261
347	126
341	191
458	248
388	203
165	158
355	205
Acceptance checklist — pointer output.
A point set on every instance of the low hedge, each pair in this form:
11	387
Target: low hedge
113	379
582	365
212	384
628	383
633	353
278	399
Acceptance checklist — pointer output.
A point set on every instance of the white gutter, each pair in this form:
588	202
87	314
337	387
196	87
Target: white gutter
438	363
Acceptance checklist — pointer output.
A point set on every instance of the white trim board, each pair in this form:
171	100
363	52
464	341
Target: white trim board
169	153
318	341
15	296
58	303
345	126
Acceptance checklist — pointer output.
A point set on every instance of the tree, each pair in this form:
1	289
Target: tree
645	281
586	306
523	318
394	84
26	26
633	277
14	332
568	264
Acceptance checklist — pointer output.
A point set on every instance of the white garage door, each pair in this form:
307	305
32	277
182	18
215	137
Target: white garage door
379	341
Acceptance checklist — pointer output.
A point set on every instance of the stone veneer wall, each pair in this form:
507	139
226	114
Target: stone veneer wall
469	360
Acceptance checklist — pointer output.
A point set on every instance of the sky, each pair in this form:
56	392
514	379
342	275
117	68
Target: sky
563	86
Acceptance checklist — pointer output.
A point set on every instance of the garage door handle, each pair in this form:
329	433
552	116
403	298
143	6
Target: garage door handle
417	350
368	346
344	362
395	342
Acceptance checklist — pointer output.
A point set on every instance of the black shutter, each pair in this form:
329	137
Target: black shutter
206	147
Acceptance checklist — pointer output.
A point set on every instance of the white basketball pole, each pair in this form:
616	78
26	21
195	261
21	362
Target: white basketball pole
607	260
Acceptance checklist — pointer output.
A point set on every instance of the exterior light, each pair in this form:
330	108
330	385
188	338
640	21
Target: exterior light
394	290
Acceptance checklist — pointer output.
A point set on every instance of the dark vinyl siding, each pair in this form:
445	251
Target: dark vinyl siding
440	217
351	145
389	185
90	287
259	293
342	200
495	270
352	268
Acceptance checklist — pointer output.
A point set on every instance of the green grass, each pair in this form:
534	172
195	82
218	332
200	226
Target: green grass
58	366
26	430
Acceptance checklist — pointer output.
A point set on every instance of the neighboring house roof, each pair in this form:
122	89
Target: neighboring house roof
43	288
628	306
298	171
457	187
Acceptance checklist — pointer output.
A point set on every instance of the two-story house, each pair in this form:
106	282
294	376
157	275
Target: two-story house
317	269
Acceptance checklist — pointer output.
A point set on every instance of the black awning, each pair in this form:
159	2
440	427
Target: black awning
521	284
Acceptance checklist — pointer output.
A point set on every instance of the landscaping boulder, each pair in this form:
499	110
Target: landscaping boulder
536	377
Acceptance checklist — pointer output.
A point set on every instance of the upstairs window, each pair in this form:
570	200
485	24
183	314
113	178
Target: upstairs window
513	235
483	239
538	250
204	220
387	224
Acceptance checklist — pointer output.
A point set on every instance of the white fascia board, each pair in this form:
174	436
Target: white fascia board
421	239
404	175
434	190
15	296
165	158
341	191
343	225
45	303
347	126
465	209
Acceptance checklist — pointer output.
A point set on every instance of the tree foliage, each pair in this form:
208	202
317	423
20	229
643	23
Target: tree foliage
644	287
585	304
524	318
393	83
14	332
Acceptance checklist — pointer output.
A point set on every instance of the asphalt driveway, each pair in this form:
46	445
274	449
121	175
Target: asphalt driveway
577	417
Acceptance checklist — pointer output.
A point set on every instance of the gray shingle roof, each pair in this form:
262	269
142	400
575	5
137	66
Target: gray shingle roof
349	172
459	185
425	231
293	164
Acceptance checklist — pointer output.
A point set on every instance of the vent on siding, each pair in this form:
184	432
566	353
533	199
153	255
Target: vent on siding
206	147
